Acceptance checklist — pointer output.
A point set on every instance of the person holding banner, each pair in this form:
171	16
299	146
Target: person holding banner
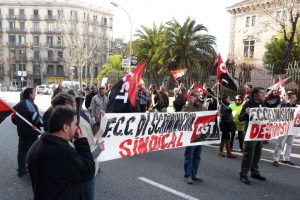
27	134
192	155
252	149
227	126
285	141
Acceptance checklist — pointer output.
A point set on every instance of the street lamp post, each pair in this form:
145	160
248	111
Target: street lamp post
130	42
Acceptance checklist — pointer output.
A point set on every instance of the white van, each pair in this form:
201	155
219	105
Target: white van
72	85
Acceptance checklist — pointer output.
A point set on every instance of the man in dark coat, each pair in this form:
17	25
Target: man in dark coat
27	135
252	149
90	96
57	170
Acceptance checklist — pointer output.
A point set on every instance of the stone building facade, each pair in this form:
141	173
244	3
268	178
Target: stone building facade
35	45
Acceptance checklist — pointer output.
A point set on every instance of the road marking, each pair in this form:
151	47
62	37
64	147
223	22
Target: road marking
263	159
180	194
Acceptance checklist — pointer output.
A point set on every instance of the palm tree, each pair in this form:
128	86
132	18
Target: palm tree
146	46
189	46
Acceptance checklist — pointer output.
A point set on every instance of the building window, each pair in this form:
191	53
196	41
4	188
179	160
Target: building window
22	39
22	26
253	20
60	54
1	68
22	13
281	15
50	26
22	55
50	70
22	67
249	46
36	54
12	25
36	69
50	55
60	14
36	26
50	14
36	13
11	12
0	25
12	39
36	40
59	70
50	41
110	22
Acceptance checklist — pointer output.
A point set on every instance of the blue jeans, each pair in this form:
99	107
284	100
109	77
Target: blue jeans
192	160
89	190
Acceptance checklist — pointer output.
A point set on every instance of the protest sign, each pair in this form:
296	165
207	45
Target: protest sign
272	123
130	134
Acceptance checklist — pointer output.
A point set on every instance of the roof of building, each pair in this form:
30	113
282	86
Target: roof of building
244	3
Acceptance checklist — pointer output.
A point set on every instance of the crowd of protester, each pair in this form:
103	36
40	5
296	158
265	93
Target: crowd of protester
62	162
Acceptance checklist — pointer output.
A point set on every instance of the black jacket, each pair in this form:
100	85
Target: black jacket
59	171
179	102
29	111
226	118
244	116
88	99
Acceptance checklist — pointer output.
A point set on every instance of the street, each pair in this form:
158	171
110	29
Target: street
159	175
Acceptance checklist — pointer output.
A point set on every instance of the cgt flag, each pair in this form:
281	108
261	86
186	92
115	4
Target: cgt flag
5	110
178	73
223	76
122	98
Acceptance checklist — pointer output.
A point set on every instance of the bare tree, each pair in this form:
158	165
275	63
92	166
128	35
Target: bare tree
84	47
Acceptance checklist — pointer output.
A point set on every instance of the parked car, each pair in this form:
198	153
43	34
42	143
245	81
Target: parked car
44	89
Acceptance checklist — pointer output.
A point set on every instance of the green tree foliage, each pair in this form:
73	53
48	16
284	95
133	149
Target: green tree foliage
276	50
113	65
175	46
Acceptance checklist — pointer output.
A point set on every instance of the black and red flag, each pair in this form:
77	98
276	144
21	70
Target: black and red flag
5	110
122	98
177	74
223	76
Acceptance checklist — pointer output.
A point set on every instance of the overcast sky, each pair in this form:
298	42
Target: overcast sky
210	13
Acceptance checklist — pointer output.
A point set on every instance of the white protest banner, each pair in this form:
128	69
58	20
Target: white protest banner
272	123
130	134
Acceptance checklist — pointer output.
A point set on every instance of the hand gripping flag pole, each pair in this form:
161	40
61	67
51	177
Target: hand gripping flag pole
7	109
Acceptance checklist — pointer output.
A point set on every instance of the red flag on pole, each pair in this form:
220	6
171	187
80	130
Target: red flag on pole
5	110
223	75
178	73
122	98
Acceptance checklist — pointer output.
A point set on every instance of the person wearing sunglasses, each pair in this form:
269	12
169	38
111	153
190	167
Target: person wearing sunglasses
236	108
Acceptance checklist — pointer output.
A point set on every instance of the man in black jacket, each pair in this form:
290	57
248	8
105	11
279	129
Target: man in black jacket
90	96
57	170
27	135
253	149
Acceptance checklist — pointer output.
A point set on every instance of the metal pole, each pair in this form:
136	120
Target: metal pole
130	42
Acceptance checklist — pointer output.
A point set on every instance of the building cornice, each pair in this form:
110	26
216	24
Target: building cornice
62	5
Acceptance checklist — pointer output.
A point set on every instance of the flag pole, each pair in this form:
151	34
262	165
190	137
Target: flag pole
30	124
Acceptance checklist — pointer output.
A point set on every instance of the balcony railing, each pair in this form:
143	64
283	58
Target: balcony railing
35	30
16	30
11	44
35	59
50	18
21	59
21	17
35	17
50	31
11	17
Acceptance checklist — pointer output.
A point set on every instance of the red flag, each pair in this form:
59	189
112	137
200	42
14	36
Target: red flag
199	88
223	77
178	73
122	98
5	110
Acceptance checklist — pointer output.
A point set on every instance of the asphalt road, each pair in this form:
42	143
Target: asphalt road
159	175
